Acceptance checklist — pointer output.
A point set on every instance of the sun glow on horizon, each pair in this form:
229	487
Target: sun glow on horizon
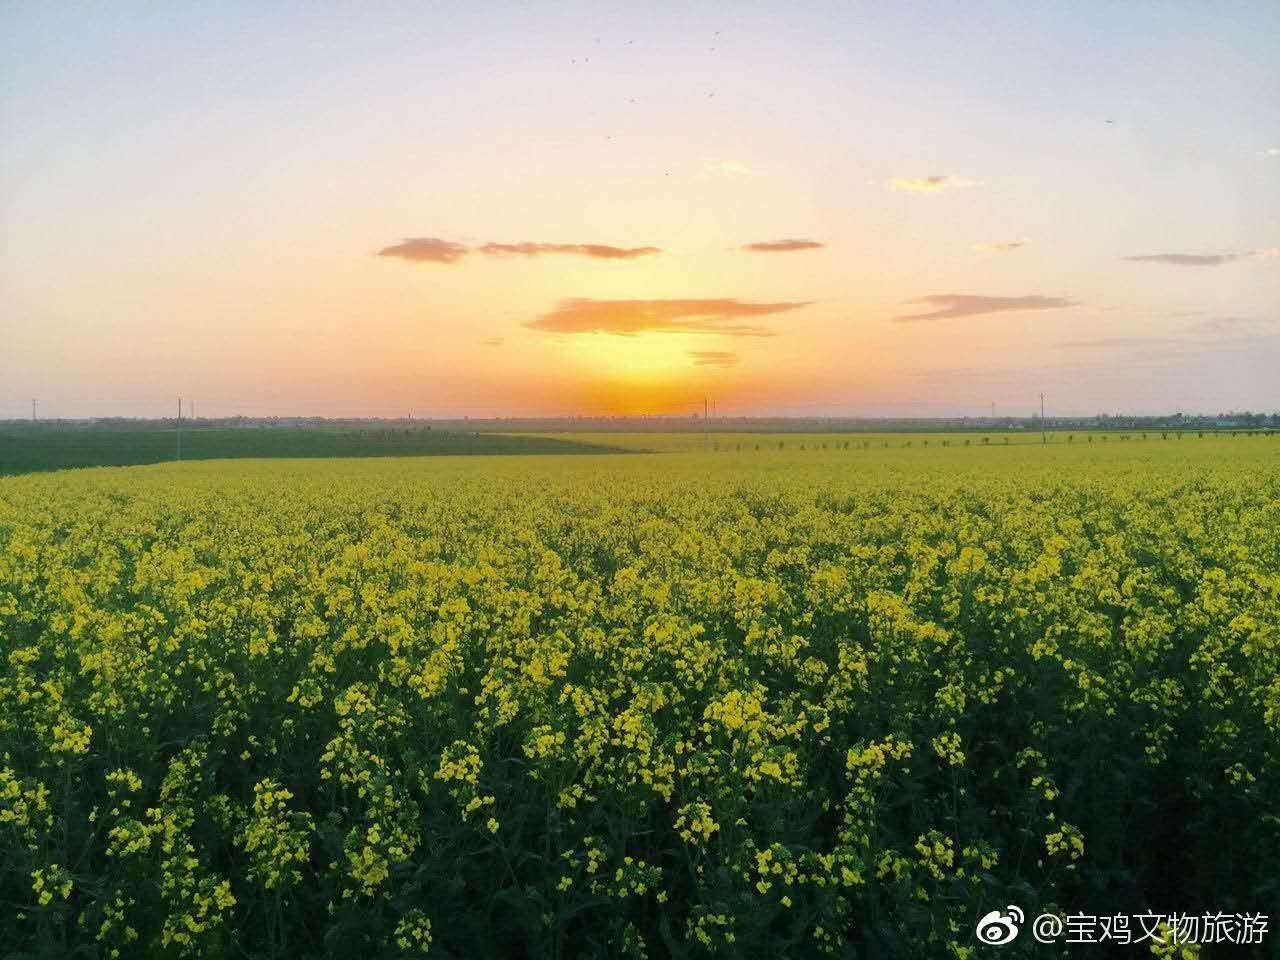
623	210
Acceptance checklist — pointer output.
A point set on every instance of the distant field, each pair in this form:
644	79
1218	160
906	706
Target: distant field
32	450
23	450
737	442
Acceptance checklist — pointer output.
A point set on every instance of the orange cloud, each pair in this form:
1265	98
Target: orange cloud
629	317
930	184
599	251
952	305
727	167
425	250
435	250
713	358
782	246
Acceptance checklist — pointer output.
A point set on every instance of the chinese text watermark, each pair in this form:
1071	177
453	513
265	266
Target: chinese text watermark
999	927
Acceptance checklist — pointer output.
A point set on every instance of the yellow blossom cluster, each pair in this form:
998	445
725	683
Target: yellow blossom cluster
799	703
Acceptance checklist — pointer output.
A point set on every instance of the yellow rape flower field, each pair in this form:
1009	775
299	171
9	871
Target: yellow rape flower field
783	699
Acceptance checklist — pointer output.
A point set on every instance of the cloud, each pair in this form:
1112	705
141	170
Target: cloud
931	184
1000	247
1233	325
425	250
599	251
1270	152
1020	374
727	168
1239	336
1187	259
1120	343
434	250
713	358
493	341
629	317
1216	336
1203	259
782	246
952	305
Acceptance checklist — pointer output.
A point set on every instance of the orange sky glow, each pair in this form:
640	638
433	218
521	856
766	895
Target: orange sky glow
812	210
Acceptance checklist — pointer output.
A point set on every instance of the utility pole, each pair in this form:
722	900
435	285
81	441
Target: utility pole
993	409
34	401
1043	437
706	439
179	428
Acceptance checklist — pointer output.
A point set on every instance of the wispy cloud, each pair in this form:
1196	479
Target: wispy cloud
435	250
931	184
493	341
782	246
629	317
1019	375
599	251
1223	336
1120	343
713	358
1225	330
953	305
1000	247
1270	152
1218	326
425	250
727	168
1203	259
